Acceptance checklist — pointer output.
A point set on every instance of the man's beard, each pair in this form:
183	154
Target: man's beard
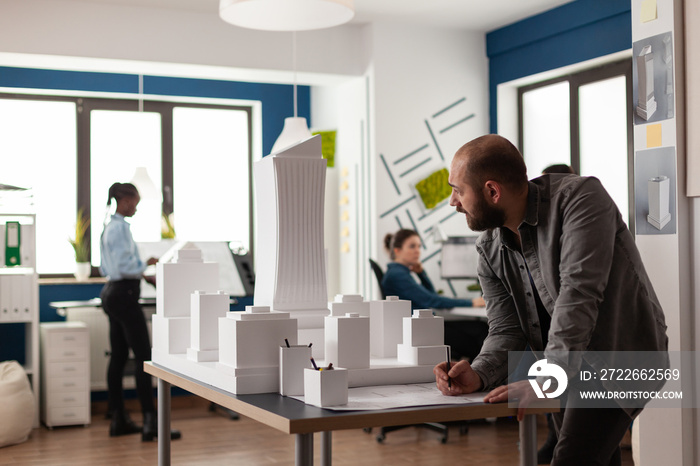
485	217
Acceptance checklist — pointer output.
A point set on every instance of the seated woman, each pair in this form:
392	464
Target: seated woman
404	250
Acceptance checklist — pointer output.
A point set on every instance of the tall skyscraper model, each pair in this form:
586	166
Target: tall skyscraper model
291	266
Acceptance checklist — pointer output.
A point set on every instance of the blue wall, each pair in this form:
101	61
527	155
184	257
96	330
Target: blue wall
566	35
277	99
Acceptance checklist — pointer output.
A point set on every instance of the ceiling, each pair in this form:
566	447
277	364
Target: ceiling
474	15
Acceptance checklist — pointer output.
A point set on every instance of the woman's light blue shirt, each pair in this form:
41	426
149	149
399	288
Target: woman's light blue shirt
120	256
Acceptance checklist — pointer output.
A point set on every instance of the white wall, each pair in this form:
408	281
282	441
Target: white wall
418	72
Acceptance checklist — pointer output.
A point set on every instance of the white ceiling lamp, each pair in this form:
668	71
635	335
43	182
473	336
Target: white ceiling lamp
145	185
286	15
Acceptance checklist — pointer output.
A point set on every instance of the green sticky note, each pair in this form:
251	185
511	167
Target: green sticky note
328	146
434	189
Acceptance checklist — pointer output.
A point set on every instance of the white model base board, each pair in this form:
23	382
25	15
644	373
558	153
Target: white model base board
202	355
659	224
266	380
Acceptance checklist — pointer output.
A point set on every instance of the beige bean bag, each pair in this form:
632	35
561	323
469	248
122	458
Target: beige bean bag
16	404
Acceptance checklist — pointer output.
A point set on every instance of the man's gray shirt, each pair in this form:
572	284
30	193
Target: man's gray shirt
588	273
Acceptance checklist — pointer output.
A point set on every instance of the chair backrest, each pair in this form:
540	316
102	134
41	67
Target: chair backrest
379	274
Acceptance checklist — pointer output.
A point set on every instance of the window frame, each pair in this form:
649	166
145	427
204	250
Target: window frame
576	80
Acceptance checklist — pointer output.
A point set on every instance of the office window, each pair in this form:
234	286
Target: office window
582	120
70	150
546	107
603	145
121	141
38	151
211	175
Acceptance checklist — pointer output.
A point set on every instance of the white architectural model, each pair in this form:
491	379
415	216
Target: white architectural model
386	325
645	83
423	338
249	347
206	310
290	303
347	341
659	201
176	281
289	188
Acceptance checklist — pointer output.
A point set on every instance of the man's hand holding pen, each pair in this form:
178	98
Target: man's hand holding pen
461	379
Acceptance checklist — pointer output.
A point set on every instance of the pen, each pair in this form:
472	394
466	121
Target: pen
287	342
313	363
311	344
449	380
330	366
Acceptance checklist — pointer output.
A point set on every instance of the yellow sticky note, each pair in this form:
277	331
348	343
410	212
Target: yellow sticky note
345	216
345	232
648	12
654	135
345	172
344	186
344	200
346	247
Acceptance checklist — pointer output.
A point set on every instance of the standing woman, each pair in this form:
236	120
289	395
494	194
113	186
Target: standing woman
124	269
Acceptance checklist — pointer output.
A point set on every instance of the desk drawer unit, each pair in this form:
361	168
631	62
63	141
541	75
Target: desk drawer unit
65	366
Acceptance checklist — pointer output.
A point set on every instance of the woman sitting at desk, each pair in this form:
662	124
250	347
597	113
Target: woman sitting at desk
404	250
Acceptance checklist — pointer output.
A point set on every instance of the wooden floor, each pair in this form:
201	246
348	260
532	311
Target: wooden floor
211	438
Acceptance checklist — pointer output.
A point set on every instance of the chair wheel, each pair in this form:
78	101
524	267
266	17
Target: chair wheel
380	438
444	440
367	430
463	429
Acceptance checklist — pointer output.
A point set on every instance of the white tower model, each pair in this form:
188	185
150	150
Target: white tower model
291	267
176	281
423	337
659	191
645	84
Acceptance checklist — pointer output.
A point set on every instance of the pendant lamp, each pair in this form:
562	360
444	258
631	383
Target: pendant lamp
295	128
286	15
144	184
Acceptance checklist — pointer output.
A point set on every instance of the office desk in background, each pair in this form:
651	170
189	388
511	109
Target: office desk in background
294	417
462	313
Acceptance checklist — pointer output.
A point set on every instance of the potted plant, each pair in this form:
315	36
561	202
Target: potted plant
81	246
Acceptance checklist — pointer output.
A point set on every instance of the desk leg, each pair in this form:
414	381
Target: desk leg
326	448
304	450
163	423
528	440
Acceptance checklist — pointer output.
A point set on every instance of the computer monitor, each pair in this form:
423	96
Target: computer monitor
459	257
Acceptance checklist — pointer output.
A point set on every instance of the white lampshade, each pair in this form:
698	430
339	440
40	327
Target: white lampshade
295	130
286	15
144	183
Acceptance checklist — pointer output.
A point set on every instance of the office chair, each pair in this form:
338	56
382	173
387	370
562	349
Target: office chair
437	427
379	273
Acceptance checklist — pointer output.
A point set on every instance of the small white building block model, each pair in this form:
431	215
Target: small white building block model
646	105
252	338
347	341
207	308
659	201
423	329
423	339
171	335
176	281
326	388
349	303
386	324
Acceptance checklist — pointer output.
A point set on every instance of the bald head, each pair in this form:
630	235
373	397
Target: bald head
491	157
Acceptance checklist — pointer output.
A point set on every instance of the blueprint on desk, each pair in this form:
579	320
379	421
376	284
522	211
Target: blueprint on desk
400	396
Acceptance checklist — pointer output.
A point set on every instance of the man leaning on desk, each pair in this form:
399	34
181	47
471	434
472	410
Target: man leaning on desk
560	271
